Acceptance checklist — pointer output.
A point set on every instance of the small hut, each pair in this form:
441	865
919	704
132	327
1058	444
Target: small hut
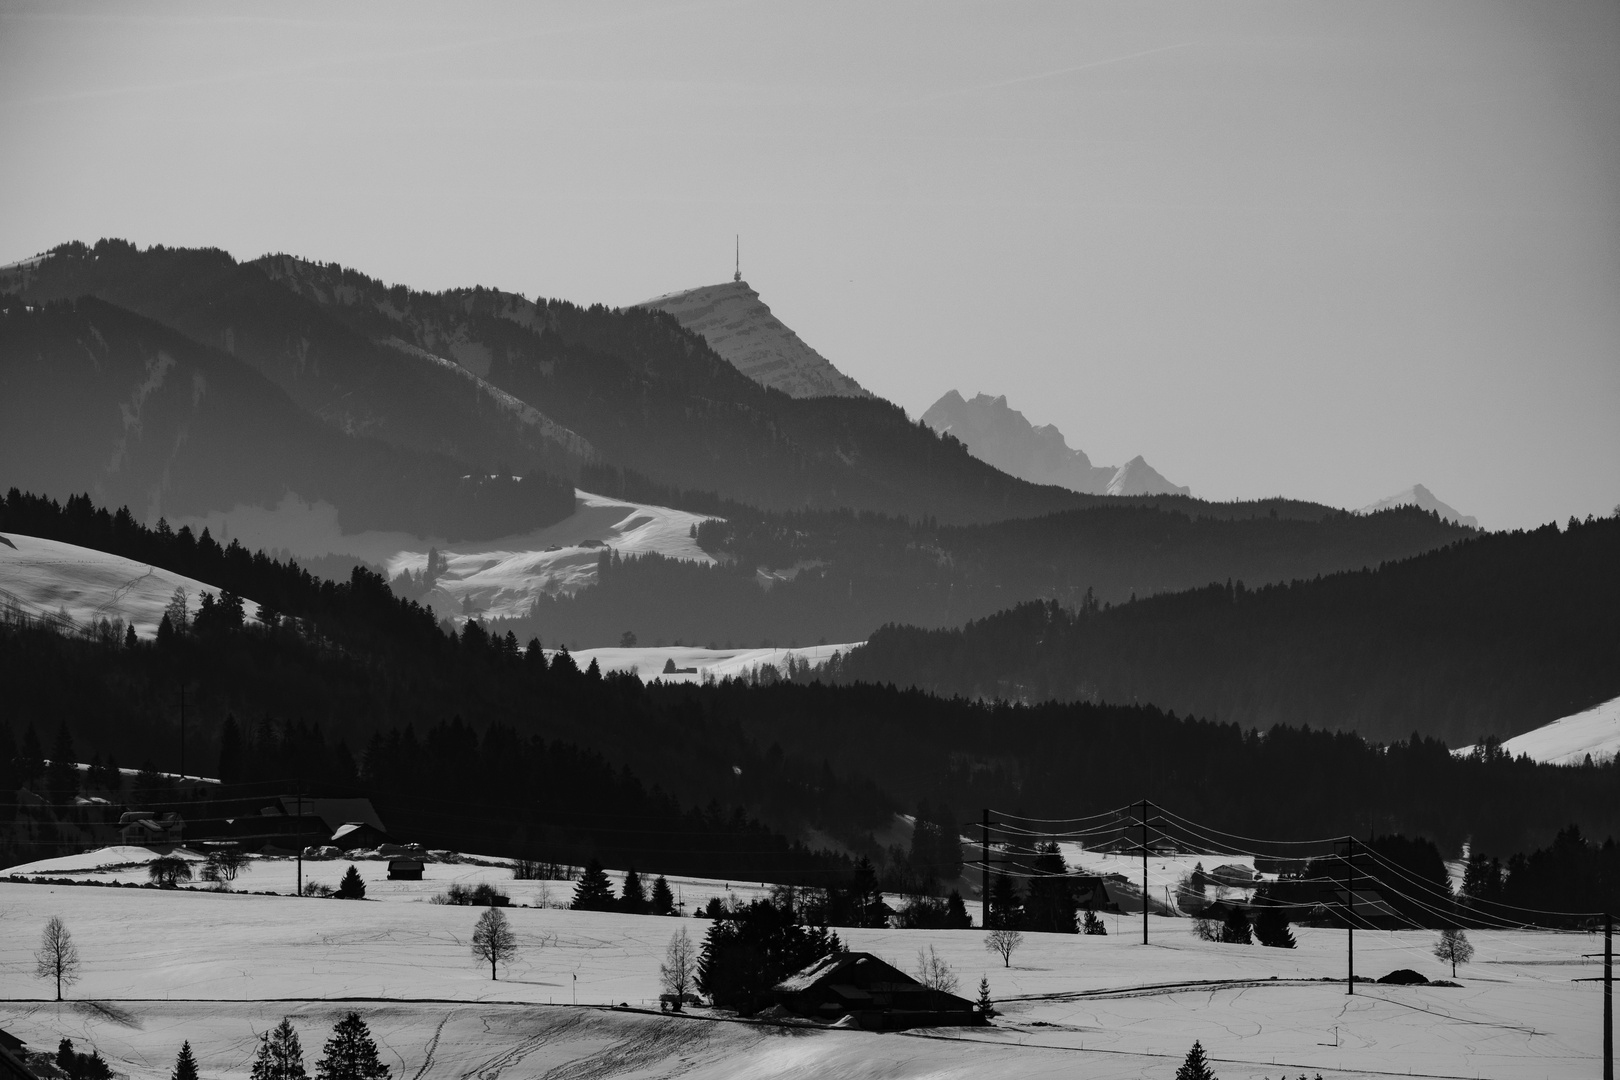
405	869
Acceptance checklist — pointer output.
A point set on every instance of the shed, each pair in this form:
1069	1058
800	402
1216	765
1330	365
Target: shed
405	869
874	994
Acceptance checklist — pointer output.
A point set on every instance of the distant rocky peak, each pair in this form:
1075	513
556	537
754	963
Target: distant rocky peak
1424	499
995	432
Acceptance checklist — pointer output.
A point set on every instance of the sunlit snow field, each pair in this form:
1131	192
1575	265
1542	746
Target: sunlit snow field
218	968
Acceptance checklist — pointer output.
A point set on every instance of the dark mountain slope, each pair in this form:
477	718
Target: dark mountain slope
353	384
95	398
1491	636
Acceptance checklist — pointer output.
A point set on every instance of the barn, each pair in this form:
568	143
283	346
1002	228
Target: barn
875	995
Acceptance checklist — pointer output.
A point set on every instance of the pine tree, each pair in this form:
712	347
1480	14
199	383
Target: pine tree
986	1006
1236	930
1093	925
594	892
350	1053
632	897
956	916
280	1056
1196	1065
353	886
1006	909
1271	928
663	900
185	1066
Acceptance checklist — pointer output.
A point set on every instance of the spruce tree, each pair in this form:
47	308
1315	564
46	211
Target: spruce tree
956	916
1196	1065
280	1056
1236	930
632	897
350	1053
986	1006
1271	928
1006	909
1093	925
353	886
593	892
663	900
185	1066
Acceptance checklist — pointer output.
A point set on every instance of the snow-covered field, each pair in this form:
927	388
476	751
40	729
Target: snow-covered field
1568	740
45	577
719	663
217	968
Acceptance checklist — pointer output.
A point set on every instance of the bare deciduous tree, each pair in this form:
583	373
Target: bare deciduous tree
57	957
1002	943
679	968
934	973
1453	948
493	939
168	871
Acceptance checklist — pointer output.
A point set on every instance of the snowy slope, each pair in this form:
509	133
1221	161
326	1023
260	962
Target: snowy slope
484	578
46	577
717	663
501	578
1421	497
217	969
1568	740
741	329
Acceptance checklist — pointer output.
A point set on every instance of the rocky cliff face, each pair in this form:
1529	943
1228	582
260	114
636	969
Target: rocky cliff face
998	434
741	329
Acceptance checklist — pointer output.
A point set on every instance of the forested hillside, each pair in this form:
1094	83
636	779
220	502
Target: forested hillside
837	576
95	398
1490	636
351	687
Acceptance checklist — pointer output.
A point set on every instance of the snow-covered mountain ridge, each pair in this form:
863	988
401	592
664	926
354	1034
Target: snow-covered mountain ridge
1569	739
1424	499
741	329
998	434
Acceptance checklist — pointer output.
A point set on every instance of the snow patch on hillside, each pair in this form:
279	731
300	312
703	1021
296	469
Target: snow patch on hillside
648	663
741	329
53	579
1567	740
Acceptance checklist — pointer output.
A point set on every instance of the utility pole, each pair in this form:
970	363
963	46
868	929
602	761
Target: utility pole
300	812
1349	921
1144	873
1608	997
984	852
182	730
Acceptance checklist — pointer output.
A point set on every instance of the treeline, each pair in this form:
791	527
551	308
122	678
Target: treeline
1490	636
350	661
844	573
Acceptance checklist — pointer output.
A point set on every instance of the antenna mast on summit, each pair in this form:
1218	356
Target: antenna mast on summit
738	275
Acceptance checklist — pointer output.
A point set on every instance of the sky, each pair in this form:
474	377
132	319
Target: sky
1324	250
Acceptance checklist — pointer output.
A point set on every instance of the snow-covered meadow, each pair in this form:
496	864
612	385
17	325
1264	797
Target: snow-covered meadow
217	968
700	664
50	578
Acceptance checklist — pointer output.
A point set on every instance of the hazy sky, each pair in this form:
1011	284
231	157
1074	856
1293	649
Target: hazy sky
1323	250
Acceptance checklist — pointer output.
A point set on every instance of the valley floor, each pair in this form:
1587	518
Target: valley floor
219	968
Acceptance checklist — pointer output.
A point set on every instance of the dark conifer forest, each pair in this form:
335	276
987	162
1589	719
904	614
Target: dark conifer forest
1491	636
479	741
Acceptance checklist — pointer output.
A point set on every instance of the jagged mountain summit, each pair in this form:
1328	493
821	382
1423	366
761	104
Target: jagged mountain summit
998	434
1421	497
741	329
